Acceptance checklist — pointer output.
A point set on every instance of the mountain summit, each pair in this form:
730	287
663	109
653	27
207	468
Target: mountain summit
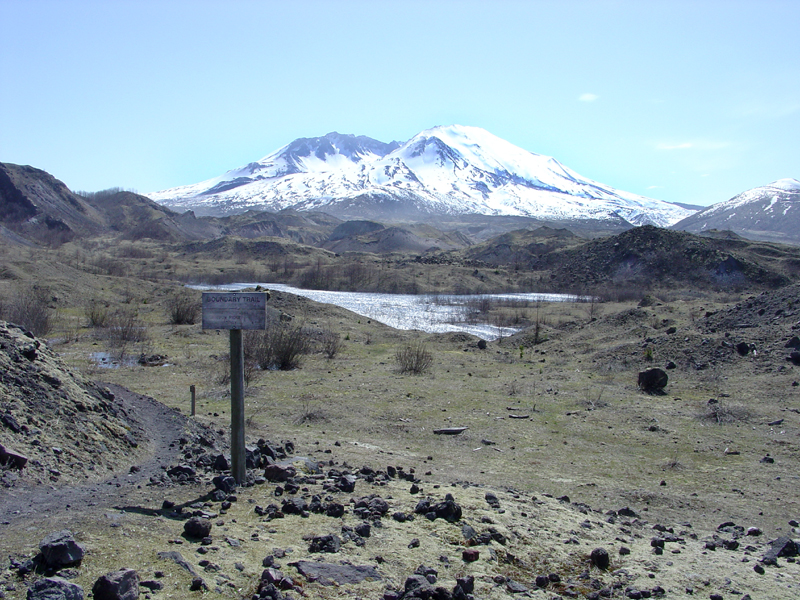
452	170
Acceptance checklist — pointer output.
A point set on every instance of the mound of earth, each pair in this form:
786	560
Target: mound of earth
651	257
68	428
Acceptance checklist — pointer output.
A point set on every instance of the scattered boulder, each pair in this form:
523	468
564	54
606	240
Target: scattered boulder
11	458
197	528
325	543
226	483
59	549
55	588
492	500
277	472
600	558
794	357
783	546
653	380
119	585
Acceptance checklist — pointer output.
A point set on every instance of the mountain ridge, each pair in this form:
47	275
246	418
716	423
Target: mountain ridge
445	170
768	213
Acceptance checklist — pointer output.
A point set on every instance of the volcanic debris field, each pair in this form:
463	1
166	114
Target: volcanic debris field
566	479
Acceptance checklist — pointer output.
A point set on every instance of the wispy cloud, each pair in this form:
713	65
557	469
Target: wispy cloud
588	97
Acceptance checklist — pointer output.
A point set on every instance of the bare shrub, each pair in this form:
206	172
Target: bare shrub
331	342
134	251
223	373
279	347
184	308
96	313
309	411
125	328
28	308
110	266
722	413
414	358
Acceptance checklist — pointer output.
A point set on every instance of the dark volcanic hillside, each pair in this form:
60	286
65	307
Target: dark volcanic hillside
643	258
39	207
659	258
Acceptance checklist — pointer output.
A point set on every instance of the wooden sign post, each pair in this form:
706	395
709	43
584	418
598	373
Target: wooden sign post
236	311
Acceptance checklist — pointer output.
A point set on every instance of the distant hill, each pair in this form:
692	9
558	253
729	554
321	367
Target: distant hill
652	257
641	258
37	207
769	213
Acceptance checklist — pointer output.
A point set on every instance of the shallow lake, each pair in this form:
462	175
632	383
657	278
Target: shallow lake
424	312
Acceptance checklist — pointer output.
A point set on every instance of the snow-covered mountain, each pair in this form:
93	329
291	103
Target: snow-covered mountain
453	170
769	213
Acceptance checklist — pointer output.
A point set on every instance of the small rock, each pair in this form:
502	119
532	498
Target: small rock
600	558
470	554
325	543
198	584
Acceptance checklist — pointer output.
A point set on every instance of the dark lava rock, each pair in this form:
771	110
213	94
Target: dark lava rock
225	483
59	549
653	380
600	558
783	546
470	555
197	528
325	543
279	473
334	510
448	510
198	584
119	585
55	588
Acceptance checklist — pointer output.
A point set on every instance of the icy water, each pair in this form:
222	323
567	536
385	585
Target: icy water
429	313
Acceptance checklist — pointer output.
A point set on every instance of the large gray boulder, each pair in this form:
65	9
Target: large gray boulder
55	588
59	549
119	585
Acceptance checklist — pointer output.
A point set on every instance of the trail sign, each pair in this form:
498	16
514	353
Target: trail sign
236	311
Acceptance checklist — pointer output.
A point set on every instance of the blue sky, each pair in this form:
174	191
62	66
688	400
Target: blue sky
681	101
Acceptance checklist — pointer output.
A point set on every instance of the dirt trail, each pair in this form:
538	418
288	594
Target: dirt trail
164	425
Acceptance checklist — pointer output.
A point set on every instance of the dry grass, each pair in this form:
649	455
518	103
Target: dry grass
588	433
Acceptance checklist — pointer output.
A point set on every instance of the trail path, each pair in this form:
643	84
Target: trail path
164	425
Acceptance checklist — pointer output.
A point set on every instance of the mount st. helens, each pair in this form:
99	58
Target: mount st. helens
453	170
769	213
